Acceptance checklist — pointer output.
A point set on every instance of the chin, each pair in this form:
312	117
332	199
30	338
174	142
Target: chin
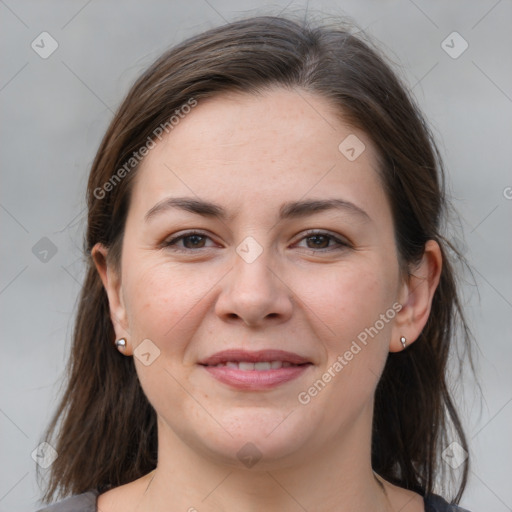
259	439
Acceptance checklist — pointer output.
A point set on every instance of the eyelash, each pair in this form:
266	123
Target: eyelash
309	234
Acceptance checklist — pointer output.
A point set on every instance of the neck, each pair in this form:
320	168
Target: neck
334	477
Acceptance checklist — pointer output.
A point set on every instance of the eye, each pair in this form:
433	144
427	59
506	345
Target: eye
187	241
319	241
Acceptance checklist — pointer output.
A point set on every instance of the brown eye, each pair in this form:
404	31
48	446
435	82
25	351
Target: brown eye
322	241
194	241
187	242
318	241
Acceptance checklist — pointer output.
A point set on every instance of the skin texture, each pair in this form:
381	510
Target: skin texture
250	154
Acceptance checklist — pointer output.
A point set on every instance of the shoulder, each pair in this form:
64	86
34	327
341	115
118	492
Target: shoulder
435	503
85	502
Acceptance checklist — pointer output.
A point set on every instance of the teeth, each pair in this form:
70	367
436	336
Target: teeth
262	366
259	366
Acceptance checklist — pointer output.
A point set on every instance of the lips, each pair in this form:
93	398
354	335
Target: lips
253	371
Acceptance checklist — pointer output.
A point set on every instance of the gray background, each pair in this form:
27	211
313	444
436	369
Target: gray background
56	110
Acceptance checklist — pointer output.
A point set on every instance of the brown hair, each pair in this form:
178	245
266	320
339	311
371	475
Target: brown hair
107	432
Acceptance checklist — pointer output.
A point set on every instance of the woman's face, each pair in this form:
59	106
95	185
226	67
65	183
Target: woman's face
268	268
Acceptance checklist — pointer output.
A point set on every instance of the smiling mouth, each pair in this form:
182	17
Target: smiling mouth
255	370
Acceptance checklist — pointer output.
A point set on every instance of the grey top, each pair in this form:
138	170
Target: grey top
86	502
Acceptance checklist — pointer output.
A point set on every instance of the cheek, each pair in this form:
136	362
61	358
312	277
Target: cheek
343	302
163	306
352	309
347	307
163	300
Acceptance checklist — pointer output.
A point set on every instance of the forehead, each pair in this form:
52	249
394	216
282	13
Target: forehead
278	145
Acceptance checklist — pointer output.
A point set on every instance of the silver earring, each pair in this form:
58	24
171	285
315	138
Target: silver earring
121	343
403	341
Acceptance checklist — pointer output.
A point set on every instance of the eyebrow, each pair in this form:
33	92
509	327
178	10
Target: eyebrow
290	210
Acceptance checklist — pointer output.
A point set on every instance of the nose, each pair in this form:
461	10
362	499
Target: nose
254	293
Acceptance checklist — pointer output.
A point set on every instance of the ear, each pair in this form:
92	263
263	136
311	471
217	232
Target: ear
416	294
111	280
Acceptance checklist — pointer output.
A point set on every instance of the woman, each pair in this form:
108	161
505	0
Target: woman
269	304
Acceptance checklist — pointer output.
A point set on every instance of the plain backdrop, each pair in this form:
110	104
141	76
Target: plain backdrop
56	109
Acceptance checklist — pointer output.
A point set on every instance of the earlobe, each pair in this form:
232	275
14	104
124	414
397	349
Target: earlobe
417	294
112	284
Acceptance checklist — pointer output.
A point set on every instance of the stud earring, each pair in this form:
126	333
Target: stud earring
403	341
121	344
